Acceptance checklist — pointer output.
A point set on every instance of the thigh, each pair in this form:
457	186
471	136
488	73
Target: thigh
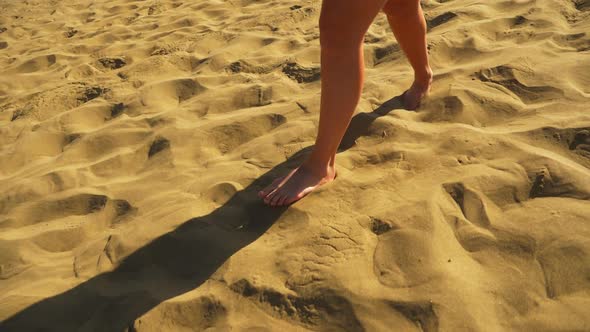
345	21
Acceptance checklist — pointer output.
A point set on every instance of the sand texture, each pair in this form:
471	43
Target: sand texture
134	136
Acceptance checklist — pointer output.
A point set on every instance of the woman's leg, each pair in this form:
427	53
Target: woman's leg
407	22
343	24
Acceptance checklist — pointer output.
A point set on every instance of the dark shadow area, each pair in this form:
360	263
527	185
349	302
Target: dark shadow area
360	123
176	262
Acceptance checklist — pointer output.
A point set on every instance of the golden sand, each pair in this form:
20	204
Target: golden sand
134	136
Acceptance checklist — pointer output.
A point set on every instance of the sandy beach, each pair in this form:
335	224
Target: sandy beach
134	136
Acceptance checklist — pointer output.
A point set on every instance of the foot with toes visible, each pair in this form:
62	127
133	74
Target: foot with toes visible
419	89
295	185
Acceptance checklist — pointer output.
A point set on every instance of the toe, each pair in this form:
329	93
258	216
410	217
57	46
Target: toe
270	187
268	198
282	200
275	199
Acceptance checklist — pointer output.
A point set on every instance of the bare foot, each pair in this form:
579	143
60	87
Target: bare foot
419	89
294	186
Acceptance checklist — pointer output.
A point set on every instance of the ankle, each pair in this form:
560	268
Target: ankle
317	168
424	77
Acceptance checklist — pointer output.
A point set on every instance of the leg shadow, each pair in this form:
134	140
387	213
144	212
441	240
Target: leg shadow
176	262
360	123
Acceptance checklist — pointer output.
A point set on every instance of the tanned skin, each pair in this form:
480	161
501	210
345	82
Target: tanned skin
343	24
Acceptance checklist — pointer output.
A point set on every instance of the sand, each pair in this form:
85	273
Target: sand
134	136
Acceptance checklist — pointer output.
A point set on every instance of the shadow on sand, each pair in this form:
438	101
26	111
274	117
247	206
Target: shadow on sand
175	263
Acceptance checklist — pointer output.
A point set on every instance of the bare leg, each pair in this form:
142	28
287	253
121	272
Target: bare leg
343	24
407	22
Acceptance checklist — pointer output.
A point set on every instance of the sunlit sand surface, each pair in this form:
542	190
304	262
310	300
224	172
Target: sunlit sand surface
134	136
